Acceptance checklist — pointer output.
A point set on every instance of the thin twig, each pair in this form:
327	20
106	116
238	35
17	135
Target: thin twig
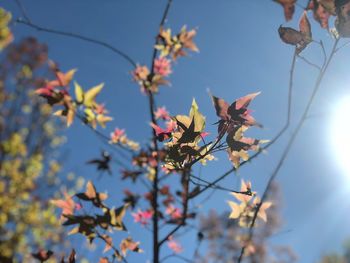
77	36
342	46
23	11
309	62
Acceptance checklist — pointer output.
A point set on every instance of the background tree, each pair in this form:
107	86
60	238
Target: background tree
29	157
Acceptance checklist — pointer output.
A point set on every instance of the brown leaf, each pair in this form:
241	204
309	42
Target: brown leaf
290	35
322	10
342	22
305	27
288	6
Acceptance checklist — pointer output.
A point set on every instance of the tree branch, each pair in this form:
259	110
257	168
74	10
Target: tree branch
279	134
77	36
289	145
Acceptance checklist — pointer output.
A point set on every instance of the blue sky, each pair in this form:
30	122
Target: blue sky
240	53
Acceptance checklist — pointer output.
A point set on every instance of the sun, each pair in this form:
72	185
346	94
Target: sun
340	134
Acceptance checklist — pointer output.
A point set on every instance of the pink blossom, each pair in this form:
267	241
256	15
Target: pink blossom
162	66
101	109
140	73
162	113
142	217
116	135
171	125
204	134
174	212
174	245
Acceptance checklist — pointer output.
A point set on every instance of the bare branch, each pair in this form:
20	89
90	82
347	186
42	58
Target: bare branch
77	36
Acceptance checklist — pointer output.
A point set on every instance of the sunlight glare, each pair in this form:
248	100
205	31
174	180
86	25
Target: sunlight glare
340	134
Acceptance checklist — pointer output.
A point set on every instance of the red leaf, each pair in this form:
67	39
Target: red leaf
289	8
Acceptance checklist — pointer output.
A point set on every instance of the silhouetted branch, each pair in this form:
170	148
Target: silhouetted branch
117	51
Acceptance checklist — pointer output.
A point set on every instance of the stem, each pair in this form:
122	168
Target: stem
155	218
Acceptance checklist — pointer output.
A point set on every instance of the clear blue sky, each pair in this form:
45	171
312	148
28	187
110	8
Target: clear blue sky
240	53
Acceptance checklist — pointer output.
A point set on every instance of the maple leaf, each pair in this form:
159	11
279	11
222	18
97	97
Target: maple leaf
42	255
322	10
86	225
62	79
263	207
240	145
175	45
68	205
235	114
236	209
245	188
128	244
92	196
113	217
102	164
300	38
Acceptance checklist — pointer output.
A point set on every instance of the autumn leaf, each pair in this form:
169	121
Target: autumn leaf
305	27
92	196
128	244
236	210
42	255
245	188
103	163
67	205
235	114
91	94
62	79
322	10
263	207
86	225
342	22
300	39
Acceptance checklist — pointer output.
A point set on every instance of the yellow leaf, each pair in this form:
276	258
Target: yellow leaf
91	94
70	117
79	93
102	119
236	210
199	119
74	231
